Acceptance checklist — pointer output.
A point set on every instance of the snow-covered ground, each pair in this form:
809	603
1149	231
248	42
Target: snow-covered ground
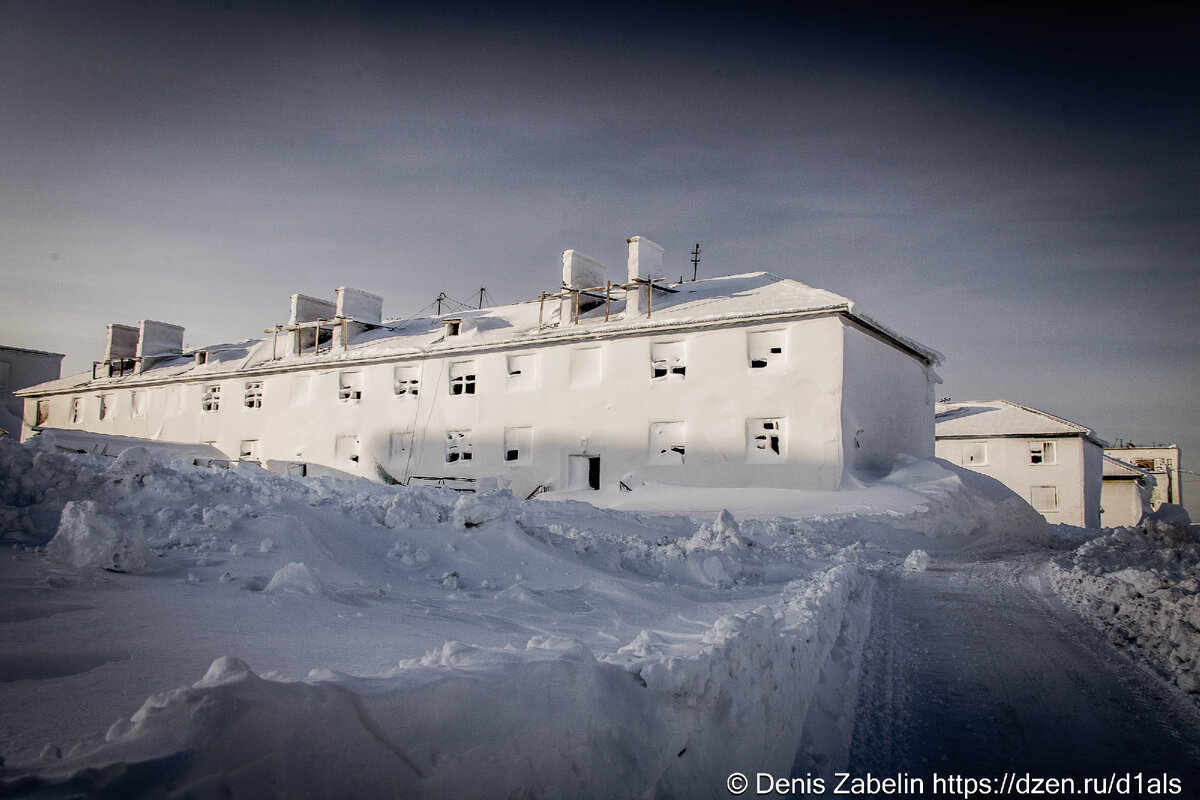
173	630
1141	586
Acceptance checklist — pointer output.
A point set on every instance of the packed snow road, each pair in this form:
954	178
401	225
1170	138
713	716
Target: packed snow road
976	669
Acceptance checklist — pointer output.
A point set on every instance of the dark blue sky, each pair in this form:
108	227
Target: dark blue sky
1011	184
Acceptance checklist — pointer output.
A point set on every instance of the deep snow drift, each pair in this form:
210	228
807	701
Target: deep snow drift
176	630
1141	586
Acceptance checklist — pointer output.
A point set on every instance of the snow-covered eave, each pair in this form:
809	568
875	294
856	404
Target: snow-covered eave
586	331
1075	428
1124	470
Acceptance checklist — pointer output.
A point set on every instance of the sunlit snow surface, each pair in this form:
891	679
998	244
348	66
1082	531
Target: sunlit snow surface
171	629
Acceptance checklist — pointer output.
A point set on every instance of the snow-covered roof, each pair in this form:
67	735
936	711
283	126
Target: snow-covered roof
999	418
751	296
1115	468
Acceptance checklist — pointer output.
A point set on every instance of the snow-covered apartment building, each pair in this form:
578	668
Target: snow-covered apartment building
744	380
1054	464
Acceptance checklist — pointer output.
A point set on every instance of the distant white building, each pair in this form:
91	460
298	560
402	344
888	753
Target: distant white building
1160	461
1054	464
746	380
1126	493
20	368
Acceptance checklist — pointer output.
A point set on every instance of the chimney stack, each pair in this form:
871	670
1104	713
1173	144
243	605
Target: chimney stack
645	262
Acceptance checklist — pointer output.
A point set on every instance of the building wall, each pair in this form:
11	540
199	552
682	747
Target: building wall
20	368
1121	502
888	404
764	404
1074	476
1162	463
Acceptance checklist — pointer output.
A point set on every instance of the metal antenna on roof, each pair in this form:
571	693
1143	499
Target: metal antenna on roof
482	289
695	260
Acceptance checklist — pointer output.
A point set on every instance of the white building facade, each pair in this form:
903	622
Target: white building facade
748	380
1162	463
1055	465
20	368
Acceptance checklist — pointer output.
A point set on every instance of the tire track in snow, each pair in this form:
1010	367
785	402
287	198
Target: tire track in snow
977	669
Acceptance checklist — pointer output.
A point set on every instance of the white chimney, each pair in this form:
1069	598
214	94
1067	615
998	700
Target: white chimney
645	259
582	272
645	262
362	309
307	309
158	341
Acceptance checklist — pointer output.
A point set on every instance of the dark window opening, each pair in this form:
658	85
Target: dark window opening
594	472
776	351
511	455
758	363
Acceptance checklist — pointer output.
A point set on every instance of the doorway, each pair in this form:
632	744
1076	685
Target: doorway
583	472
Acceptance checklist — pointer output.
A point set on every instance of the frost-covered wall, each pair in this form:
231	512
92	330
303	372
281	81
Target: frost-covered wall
878	422
712	408
1060	476
20	368
748	380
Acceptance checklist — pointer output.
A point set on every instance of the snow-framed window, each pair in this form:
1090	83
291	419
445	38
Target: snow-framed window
458	446
252	394
406	381
248	450
666	443
1043	498
76	404
518	444
1041	453
137	404
345	449
108	404
43	411
974	454
210	397
350	387
453	326
520	371
765	439
667	360
399	446
462	377
764	349
586	366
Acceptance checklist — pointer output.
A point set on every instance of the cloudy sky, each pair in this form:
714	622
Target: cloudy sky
1013	186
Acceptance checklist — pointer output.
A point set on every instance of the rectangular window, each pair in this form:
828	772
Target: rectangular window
520	372
350	387
462	377
252	397
137	404
518	444
406	381
765	349
345	449
43	411
1044	498
667	360
76	403
399	446
458	446
108	404
666	443
586	366
1041	453
974	454
248	451
765	439
210	398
